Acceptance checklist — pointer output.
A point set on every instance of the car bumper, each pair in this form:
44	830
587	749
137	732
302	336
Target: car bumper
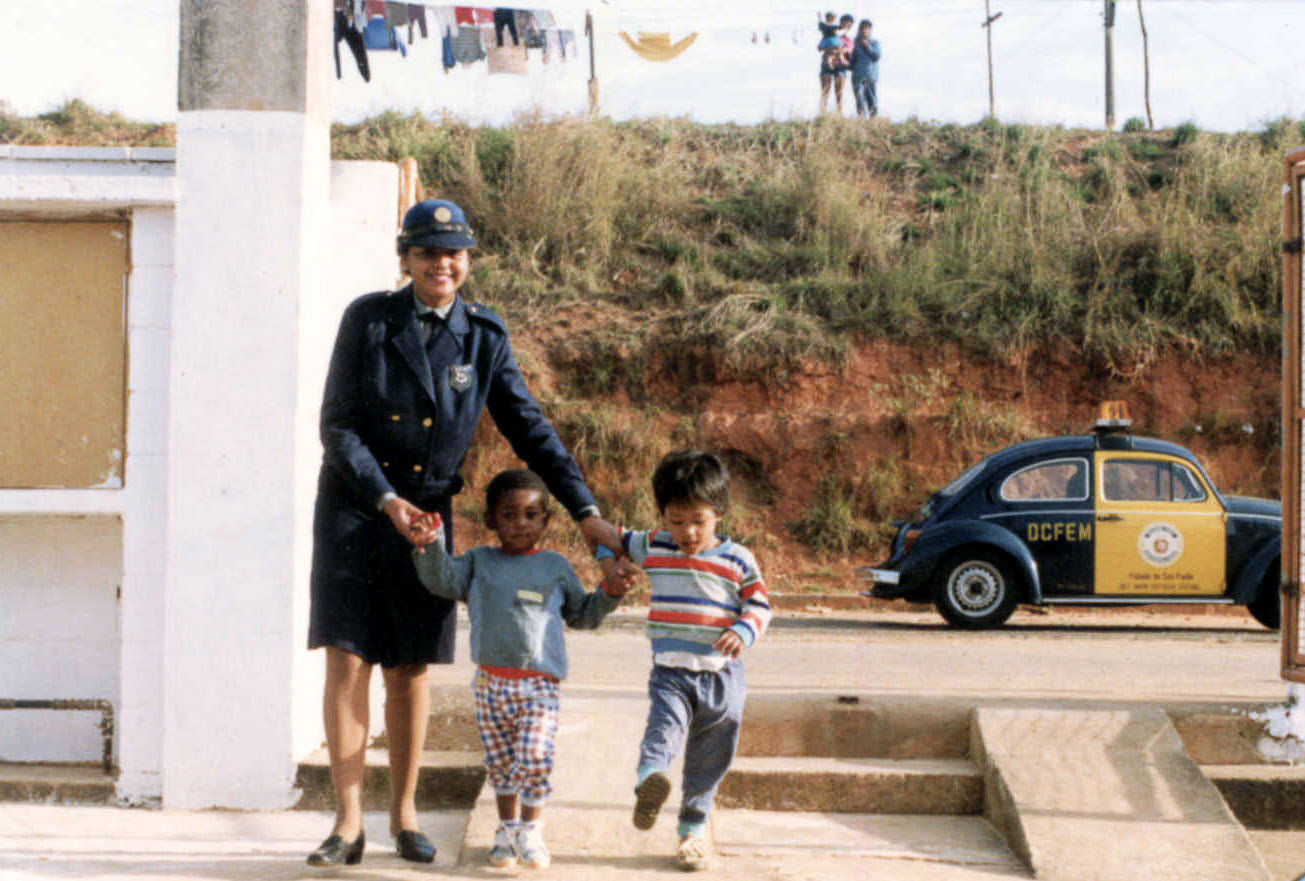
883	582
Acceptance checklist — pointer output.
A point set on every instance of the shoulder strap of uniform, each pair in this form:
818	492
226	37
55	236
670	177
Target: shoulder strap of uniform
485	315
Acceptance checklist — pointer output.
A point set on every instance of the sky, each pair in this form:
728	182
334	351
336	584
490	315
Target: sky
1222	64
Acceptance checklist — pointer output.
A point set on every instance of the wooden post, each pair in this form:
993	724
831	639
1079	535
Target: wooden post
1110	64
988	19
593	73
1146	67
1293	418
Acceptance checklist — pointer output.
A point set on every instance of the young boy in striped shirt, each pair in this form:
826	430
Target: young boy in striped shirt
708	604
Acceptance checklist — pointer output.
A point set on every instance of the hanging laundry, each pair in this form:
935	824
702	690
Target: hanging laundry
530	31
553	41
464	15
379	36
417	16
544	19
396	15
484	15
374	7
568	43
505	19
508	59
467	47
657	47
345	31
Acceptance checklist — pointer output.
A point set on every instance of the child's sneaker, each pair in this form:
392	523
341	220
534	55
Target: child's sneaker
649	796
504	852
530	846
692	854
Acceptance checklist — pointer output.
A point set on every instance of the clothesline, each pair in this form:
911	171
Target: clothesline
501	36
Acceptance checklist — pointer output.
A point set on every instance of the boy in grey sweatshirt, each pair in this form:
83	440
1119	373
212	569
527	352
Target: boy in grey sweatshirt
518	597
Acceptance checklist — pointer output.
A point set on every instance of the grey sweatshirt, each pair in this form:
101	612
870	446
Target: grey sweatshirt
517	603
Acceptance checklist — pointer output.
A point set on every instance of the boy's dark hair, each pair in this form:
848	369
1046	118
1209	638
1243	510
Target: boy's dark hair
692	476
506	481
865	23
829	16
846	19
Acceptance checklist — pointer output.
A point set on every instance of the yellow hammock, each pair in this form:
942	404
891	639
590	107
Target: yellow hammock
657	47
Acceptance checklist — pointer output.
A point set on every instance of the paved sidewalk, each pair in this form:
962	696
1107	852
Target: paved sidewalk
588	825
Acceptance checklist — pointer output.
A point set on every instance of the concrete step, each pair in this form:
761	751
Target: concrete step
1105	795
57	784
447	779
854	786
1262	796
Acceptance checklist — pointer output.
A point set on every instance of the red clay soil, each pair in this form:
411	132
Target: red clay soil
927	412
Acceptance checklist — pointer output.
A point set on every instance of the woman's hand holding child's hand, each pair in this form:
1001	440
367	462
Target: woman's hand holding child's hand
618	575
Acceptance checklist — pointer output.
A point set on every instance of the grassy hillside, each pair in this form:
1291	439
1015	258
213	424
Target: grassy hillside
851	312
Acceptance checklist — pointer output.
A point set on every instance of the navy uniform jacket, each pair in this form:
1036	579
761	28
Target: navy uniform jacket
393	423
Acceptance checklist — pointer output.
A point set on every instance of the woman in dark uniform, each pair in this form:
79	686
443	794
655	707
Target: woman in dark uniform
410	375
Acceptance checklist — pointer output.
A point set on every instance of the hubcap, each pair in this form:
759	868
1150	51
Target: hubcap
975	587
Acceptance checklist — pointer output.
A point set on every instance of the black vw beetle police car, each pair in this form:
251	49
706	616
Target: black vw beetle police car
1104	518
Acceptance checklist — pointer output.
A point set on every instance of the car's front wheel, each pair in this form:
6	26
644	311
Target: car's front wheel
976	590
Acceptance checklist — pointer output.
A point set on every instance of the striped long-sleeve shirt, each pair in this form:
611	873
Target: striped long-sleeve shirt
695	597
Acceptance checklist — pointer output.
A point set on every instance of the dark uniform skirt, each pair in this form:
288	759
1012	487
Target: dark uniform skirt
366	598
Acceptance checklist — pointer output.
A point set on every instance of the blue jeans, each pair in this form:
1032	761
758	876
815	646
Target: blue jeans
864	92
701	712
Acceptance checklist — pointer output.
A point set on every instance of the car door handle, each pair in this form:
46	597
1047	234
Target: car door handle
1109	518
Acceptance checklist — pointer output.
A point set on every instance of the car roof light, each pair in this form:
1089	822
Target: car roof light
1112	416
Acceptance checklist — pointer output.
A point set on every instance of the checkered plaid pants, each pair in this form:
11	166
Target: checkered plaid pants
517	722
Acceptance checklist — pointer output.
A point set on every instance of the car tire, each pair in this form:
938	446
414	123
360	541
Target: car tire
976	590
1267	605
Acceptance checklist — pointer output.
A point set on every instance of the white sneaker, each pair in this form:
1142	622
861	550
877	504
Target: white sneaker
692	854
504	852
530	846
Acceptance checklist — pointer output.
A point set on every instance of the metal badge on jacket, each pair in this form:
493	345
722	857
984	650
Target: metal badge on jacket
460	376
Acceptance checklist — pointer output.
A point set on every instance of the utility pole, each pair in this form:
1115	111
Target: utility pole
1146	68
1110	64
593	72
988	19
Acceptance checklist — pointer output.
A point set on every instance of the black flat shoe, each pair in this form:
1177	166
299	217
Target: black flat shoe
414	847
335	850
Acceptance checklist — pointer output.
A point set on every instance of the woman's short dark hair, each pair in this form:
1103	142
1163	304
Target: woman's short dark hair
692	476
846	19
506	481
865	23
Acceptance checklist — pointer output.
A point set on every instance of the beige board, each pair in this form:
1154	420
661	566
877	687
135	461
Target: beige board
63	353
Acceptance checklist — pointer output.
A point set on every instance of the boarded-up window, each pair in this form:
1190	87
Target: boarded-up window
62	353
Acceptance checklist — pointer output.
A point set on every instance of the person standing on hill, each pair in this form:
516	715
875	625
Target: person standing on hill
865	71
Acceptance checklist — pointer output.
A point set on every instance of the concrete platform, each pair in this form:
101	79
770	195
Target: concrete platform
447	779
56	784
854	786
1106	795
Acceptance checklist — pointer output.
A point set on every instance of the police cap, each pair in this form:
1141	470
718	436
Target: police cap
436	223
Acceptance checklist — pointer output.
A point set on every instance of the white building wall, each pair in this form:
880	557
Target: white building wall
84	592
58	631
364	221
149	322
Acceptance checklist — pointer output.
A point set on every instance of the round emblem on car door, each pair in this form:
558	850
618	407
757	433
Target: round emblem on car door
1160	544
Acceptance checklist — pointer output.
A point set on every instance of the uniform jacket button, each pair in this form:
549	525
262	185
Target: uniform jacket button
385	464
427	422
416	467
394	417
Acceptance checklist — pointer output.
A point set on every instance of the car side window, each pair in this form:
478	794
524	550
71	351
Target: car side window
1060	480
1142	480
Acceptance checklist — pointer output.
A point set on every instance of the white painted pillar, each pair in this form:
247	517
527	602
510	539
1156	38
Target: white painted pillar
252	233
